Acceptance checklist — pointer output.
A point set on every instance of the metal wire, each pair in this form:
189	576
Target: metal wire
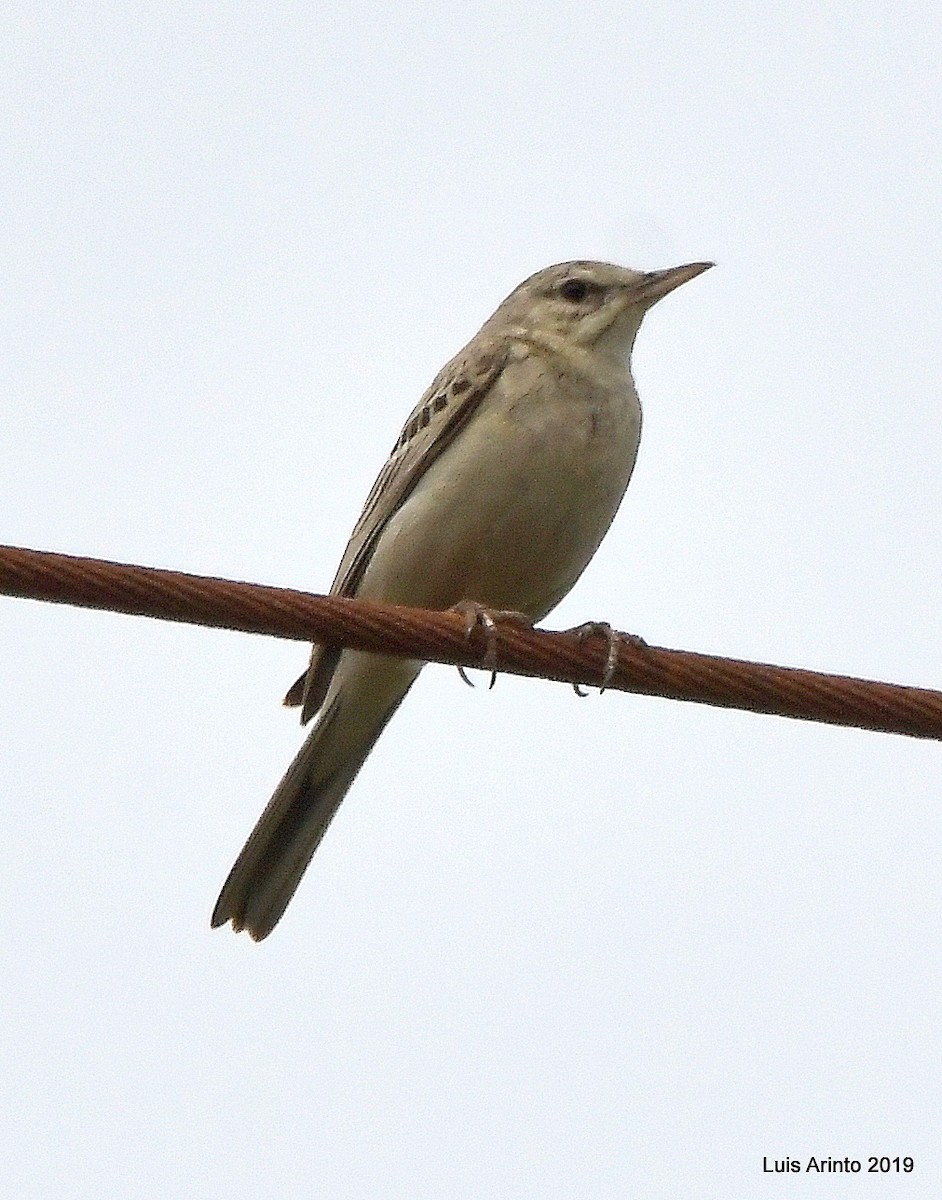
446	637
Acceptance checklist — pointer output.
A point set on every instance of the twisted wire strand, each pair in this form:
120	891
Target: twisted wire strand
445	637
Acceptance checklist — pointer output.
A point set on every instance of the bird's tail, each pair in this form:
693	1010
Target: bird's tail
366	692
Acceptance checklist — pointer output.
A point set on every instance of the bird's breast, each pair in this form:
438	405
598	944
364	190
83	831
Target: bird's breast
511	513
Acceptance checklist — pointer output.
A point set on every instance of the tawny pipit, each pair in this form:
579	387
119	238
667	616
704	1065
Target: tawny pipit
498	491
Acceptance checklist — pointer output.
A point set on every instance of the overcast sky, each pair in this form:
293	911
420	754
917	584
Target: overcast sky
551	947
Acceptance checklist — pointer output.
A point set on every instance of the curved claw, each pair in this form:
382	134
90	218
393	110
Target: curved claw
476	614
614	640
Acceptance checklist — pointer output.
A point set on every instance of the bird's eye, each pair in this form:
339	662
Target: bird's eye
574	290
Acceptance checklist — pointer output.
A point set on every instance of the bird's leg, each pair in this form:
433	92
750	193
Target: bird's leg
614	640
476	614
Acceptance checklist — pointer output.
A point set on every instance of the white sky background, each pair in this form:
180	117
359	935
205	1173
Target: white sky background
550	947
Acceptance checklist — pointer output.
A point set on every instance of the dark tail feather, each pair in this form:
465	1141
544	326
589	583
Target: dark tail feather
267	872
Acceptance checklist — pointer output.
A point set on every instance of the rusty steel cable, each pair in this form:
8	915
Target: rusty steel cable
445	637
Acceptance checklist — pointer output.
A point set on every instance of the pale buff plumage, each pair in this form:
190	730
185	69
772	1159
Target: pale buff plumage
499	490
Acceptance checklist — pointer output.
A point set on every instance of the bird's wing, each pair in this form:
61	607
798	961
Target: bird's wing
433	425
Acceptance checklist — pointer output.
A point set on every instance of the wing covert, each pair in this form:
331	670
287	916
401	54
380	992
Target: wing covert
444	409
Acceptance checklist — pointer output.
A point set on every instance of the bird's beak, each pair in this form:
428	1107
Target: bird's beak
655	284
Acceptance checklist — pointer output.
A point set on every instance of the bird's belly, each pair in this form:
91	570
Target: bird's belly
512	512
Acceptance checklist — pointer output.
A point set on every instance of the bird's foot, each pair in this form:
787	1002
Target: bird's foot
614	640
476	614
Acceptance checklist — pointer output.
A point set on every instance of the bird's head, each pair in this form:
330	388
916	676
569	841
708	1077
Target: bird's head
590	303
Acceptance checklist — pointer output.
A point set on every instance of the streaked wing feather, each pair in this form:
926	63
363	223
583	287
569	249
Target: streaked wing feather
433	425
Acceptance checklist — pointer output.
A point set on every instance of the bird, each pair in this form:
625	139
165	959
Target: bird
497	493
